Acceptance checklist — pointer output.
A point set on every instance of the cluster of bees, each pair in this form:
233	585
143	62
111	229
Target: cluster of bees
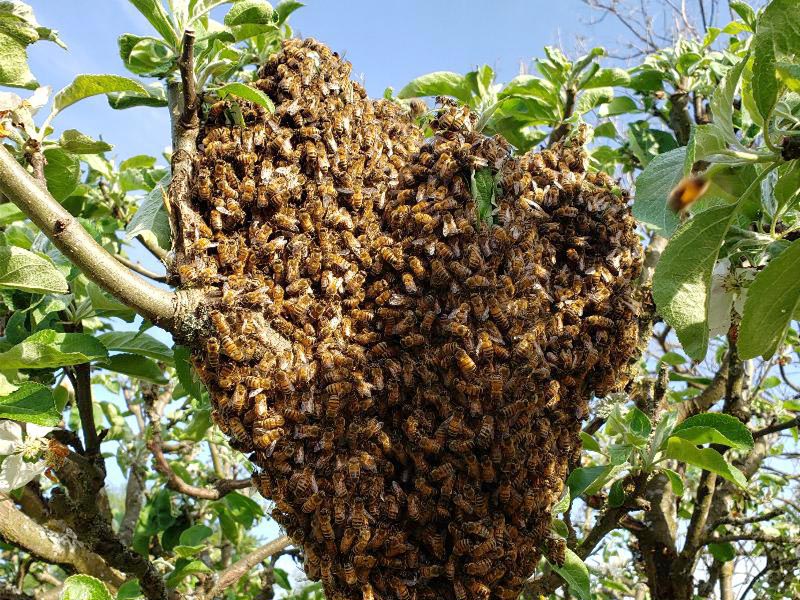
409	380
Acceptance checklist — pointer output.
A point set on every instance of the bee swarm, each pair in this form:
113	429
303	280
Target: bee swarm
409	381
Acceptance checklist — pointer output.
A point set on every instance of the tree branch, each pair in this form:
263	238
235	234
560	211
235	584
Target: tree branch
237	570
137	268
777	427
186	67
80	248
707	398
174	481
52	547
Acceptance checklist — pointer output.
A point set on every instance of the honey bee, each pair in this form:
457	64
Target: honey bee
231	348
212	349
264	438
687	192
465	362
284	382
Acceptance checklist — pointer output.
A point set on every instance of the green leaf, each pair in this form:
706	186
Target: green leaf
439	83
584	478
130	590
764	82
10	213
682	281
772	300
705	458
84	587
250	12
639	422
673	359
616	495
76	142
140	161
715	428
282	579
607	130
286	8
609	78
195	535
244	91
186	373
723	552
47	349
31	403
23	270
620	105
243	509
137	367
62	172
14	71
722	103
154	12
675	482
483	191
576	574
146	56
155	96
563	504
184	569
591	99
744	10
653	187
589	443
151	218
136	342
84	86
105	305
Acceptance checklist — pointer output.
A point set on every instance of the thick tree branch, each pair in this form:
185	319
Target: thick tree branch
82	511
78	246
237	570
51	547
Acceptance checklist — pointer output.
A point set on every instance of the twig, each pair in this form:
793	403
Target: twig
238	569
786	380
777	427
174	481
136	267
53	547
746	520
80	248
152	248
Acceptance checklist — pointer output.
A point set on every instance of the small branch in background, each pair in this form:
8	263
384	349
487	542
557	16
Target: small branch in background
697	523
134	500
786	379
81	378
174	481
746	520
712	394
137	268
237	570
777	427
152	248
